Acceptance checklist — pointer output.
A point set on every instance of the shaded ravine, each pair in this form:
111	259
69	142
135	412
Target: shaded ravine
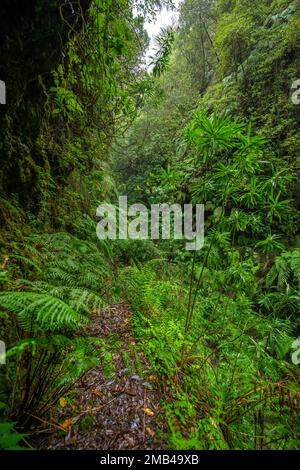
116	413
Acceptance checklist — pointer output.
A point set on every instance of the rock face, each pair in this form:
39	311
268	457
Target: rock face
33	35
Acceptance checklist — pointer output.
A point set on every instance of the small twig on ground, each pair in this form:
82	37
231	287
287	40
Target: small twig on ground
46	422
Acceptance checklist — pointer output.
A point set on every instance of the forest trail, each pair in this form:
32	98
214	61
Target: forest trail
123	411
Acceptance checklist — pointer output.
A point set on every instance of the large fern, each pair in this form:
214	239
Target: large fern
285	270
80	299
41	311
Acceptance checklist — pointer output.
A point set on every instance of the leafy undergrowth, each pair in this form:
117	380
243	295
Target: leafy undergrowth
50	285
229	383
9	439
78	376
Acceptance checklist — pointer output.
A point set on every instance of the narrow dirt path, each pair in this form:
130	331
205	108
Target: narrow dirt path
119	413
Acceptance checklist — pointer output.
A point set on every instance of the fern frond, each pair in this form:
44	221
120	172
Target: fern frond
76	297
41	311
295	264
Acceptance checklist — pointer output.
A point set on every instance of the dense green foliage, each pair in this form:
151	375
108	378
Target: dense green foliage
212	123
223	338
